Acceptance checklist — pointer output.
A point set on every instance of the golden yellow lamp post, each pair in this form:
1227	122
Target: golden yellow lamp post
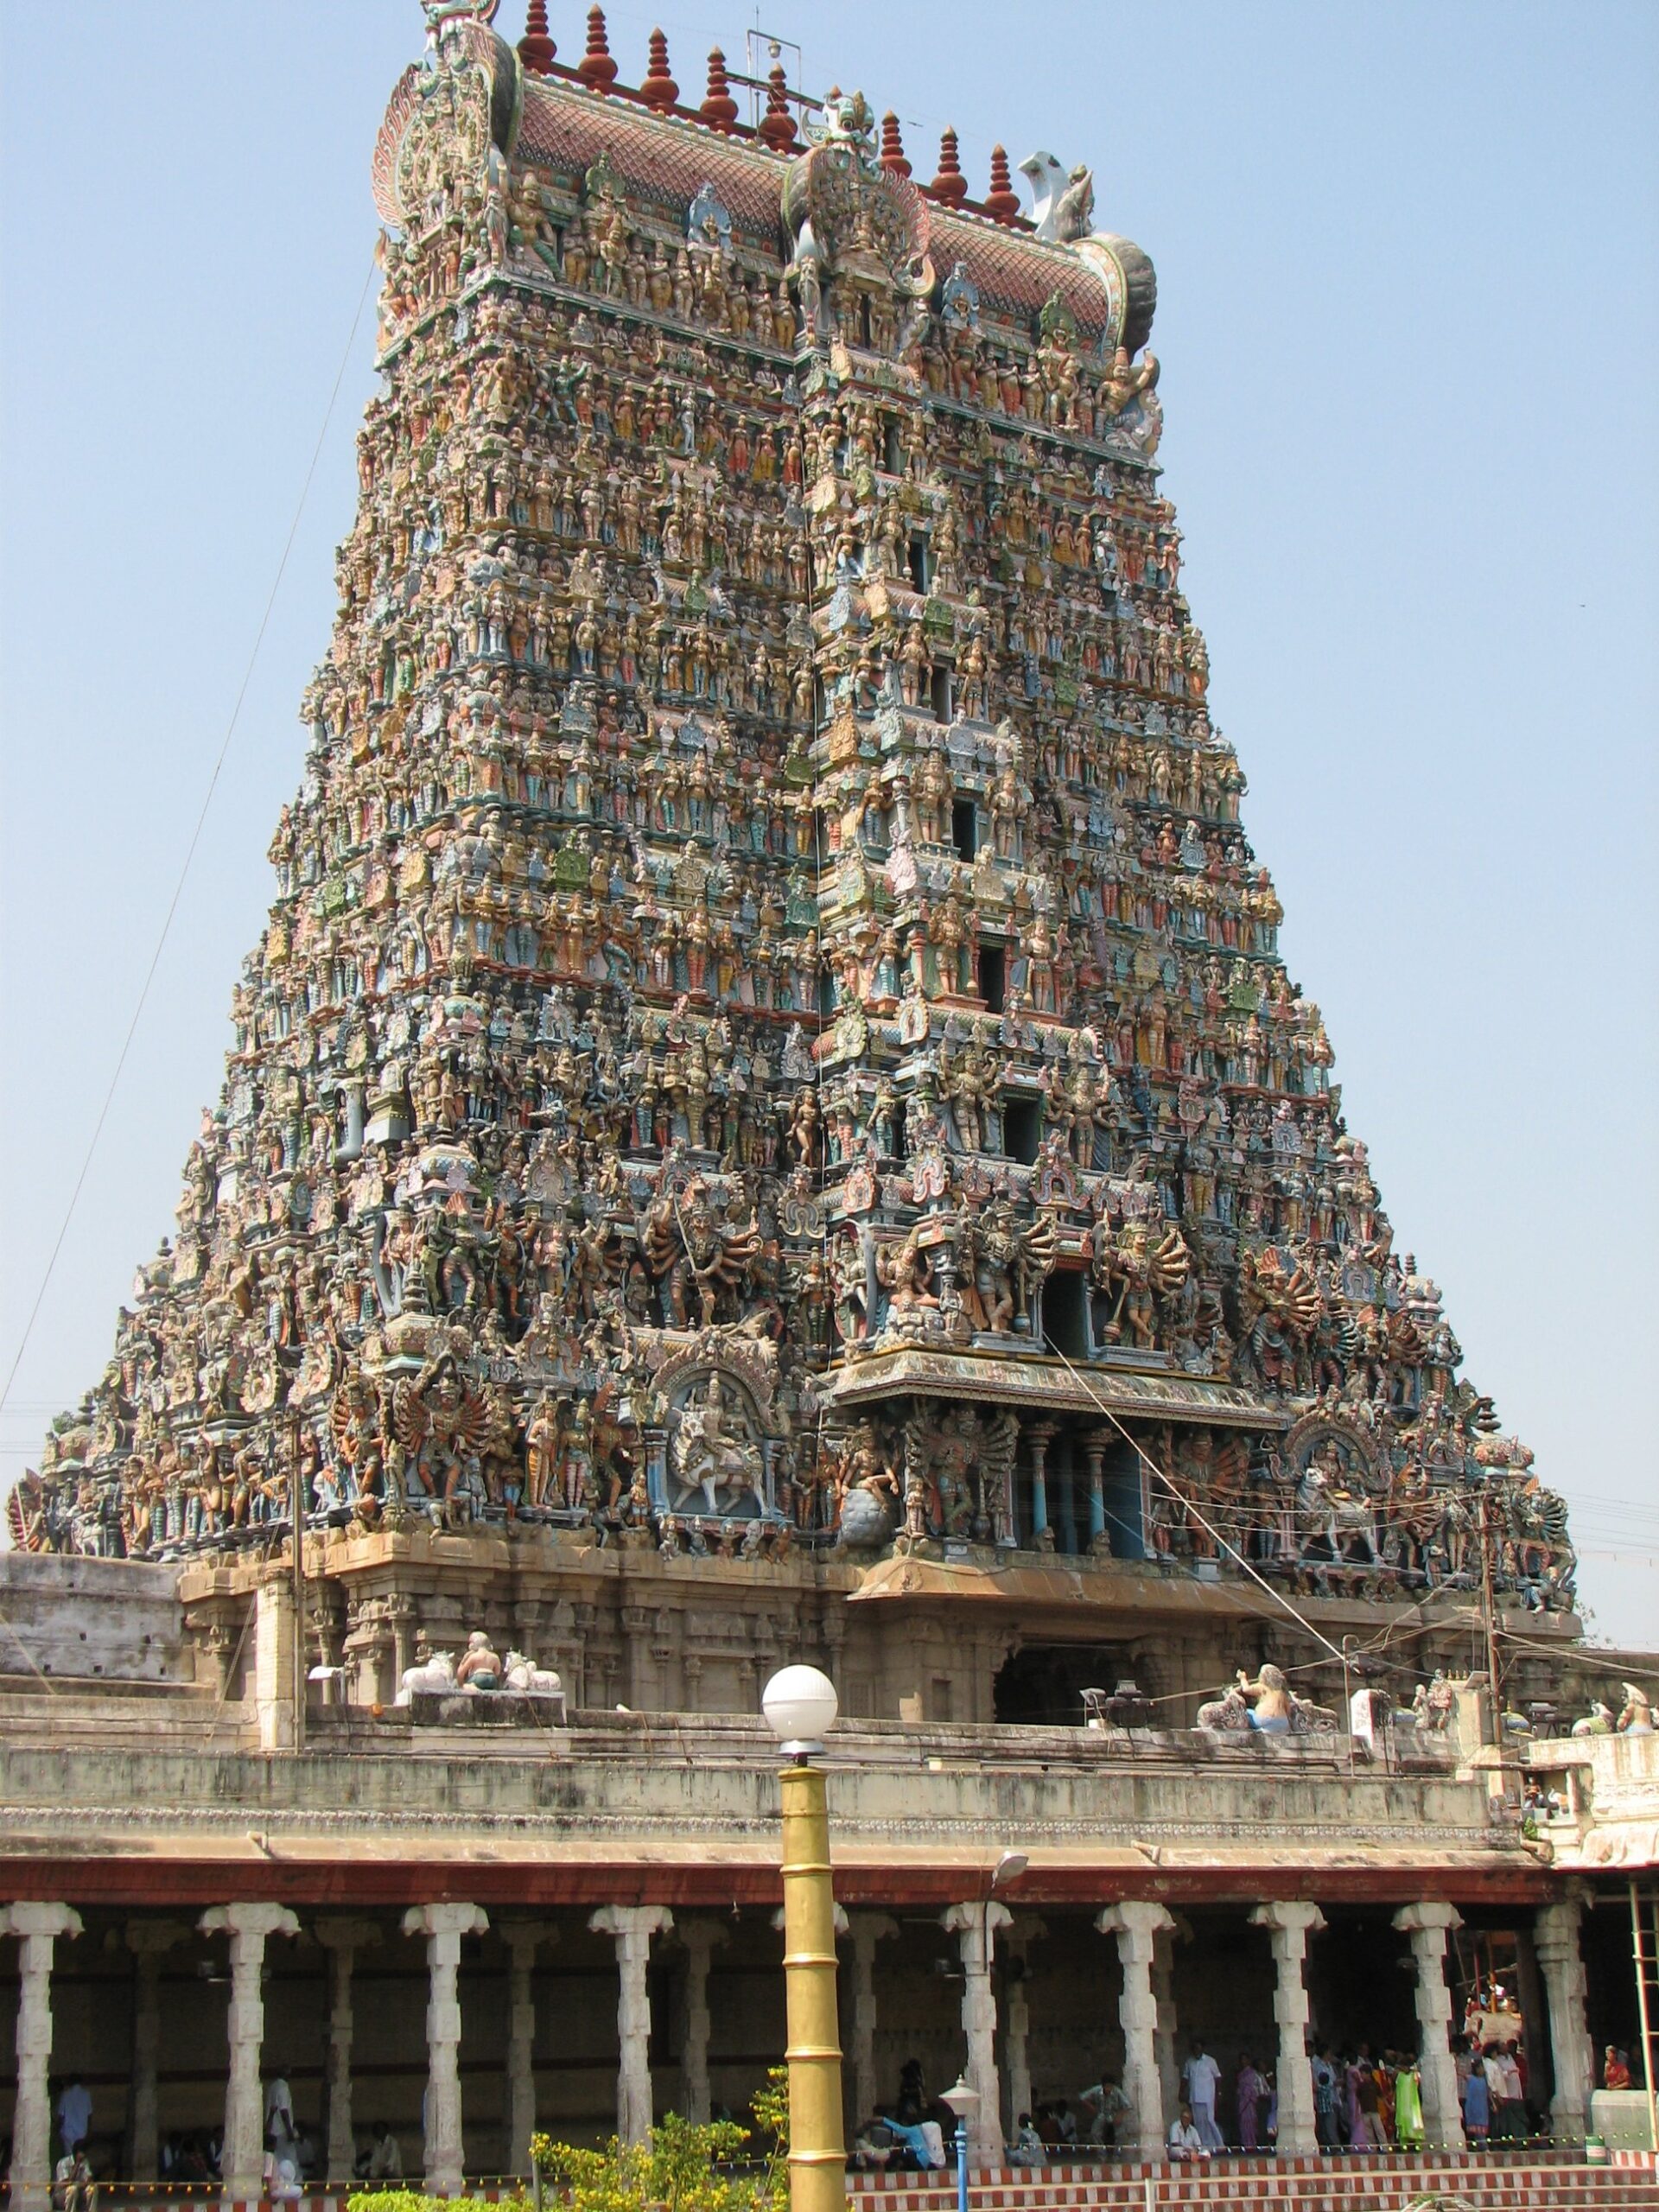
800	1704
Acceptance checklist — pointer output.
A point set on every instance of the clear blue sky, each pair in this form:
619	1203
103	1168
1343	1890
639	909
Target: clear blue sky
1409	325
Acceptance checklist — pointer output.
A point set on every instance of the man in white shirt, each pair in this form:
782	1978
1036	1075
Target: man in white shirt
385	2160
281	2178
1200	2076
1185	2144
279	2113
72	2183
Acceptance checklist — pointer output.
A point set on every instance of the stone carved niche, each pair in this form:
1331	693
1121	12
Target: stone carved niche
1341	1483
861	260
721	1433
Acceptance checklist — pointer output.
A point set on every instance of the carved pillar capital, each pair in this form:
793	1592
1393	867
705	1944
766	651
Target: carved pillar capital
251	1919
1137	1922
49	1921
1413	1919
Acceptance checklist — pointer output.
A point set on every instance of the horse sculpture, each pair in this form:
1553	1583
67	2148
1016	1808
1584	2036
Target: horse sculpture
1337	1517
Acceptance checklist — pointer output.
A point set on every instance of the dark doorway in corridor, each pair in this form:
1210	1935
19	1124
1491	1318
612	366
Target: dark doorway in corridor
1041	1685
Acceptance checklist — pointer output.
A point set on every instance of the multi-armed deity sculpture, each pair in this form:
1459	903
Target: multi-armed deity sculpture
770	1031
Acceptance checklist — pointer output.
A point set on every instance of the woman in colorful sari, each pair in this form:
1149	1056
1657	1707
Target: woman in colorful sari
1250	2089
1409	2107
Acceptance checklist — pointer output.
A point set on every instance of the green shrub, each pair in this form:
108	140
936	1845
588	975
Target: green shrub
414	2200
686	2166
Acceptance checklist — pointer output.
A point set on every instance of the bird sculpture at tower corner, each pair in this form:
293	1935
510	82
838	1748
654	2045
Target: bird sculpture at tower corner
1063	201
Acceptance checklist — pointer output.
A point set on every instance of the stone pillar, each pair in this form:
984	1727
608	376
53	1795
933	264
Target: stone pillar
1137	1924
342	1939
974	1925
1094	1454
1026	1931
443	1926
1428	1926
147	1941
37	1927
866	1931
1289	1924
1556	1940
247	1925
1039	1434
632	1926
273	1663
698	1938
522	1938
1163	1992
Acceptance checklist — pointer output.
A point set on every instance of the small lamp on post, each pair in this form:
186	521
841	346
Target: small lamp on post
800	1704
964	2102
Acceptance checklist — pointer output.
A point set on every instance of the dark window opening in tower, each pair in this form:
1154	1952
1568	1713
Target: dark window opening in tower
964	827
919	556
945	690
1022	1127
993	976
1065	1319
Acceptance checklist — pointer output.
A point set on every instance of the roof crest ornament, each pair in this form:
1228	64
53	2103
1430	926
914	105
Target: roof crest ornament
440	14
1063	201
852	219
848	120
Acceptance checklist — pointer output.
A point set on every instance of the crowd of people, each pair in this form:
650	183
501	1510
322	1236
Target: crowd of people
1364	2100
193	2159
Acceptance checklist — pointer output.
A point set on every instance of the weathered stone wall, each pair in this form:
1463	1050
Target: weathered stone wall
109	1620
692	1793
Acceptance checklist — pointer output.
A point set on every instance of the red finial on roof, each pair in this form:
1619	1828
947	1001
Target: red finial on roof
596	69
535	49
892	146
1001	200
777	124
660	89
950	185
719	108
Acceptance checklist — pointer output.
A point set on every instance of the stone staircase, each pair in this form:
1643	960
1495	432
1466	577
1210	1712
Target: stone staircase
1523	2181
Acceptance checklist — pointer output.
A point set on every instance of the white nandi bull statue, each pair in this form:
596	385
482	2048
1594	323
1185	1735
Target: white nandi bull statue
529	1680
433	1677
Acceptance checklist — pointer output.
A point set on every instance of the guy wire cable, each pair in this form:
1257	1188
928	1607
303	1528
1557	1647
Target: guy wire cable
1208	1526
189	853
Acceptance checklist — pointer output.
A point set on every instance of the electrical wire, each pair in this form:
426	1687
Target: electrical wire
189	853
1209	1527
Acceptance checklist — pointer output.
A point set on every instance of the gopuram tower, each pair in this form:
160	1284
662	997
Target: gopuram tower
767	1118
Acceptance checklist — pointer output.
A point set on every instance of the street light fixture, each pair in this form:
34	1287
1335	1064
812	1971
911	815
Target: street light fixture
964	2102
800	1706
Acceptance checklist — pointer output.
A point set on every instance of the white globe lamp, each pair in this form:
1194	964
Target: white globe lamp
800	1704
